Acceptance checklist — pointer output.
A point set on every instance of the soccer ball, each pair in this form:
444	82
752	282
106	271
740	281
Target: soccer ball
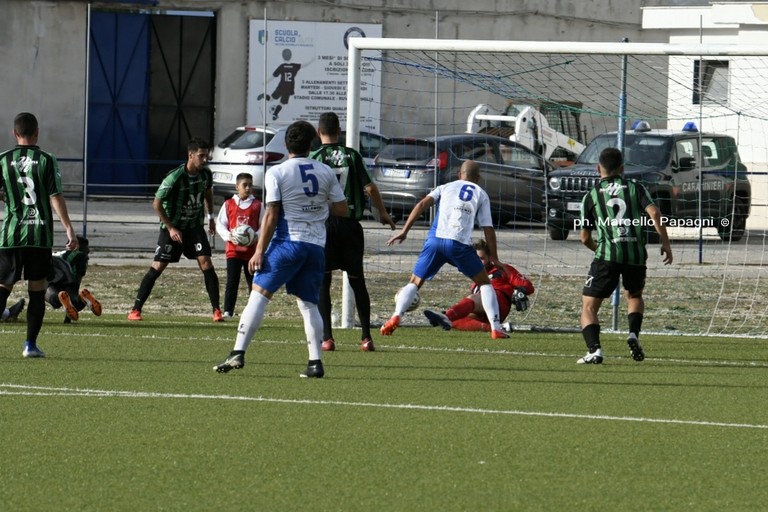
243	235
414	304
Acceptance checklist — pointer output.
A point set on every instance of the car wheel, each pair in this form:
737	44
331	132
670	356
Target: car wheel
737	223
558	233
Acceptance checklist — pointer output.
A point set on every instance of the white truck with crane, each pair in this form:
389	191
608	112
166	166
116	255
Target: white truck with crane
528	125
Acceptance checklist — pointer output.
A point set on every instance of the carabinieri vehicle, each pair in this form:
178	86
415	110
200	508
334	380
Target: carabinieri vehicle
695	178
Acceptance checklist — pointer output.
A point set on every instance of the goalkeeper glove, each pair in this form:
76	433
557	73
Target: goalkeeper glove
520	299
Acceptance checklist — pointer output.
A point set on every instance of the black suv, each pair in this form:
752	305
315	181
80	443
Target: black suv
673	167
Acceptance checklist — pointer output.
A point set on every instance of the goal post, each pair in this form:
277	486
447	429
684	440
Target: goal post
430	86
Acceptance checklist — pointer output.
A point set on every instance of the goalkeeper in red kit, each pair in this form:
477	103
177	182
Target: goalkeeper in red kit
512	288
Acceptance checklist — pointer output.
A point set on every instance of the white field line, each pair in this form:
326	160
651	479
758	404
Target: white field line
24	390
578	350
420	348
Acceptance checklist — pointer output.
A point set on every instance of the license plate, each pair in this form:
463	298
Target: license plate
573	207
396	173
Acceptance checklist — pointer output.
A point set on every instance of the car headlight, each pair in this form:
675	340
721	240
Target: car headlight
554	183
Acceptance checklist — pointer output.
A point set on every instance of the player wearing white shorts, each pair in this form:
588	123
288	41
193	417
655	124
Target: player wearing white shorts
300	194
460	204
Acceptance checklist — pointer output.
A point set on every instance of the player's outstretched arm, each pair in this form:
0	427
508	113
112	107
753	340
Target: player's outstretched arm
417	211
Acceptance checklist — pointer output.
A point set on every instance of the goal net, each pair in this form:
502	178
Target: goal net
579	91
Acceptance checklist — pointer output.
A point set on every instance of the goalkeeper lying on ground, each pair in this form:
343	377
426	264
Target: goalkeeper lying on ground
467	315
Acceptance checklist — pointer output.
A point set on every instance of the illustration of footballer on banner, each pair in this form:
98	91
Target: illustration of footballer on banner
286	87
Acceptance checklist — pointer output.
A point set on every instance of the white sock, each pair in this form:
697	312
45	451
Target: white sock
250	320
313	328
405	298
490	306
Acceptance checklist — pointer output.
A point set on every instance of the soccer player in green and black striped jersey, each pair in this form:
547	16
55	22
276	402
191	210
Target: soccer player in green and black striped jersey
181	201
616	209
345	242
30	185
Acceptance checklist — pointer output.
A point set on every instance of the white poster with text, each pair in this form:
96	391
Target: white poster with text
306	72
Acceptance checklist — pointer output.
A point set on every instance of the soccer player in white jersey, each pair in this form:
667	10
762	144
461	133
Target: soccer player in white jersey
300	194
460	204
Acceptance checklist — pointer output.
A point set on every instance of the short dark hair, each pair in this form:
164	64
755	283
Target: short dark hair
196	143
329	124
83	245
481	245
25	124
611	160
299	137
243	176
471	170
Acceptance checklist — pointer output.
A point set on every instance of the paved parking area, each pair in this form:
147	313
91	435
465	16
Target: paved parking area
124	231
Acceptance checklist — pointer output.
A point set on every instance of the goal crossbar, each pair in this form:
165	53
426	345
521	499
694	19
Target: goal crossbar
359	44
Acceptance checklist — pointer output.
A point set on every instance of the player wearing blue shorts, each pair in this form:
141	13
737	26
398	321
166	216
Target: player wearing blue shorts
300	194
460	204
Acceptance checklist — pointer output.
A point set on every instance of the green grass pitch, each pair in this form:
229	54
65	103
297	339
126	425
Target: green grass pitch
131	416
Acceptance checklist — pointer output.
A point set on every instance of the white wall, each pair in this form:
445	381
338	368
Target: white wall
43	52
725	23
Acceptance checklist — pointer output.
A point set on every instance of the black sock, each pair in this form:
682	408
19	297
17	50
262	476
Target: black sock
35	314
363	304
212	286
232	285
313	362
4	294
635	322
591	335
145	288
324	305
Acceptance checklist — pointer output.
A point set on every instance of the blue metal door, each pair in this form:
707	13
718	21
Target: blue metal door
151	85
118	102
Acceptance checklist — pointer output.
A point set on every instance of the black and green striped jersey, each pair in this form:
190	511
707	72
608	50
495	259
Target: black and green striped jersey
350	171
183	196
29	178
615	208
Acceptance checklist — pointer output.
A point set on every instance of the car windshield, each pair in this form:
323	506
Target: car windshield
639	149
245	139
370	143
408	150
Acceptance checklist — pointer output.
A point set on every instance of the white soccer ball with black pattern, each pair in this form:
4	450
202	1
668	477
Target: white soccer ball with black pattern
414	303
244	235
